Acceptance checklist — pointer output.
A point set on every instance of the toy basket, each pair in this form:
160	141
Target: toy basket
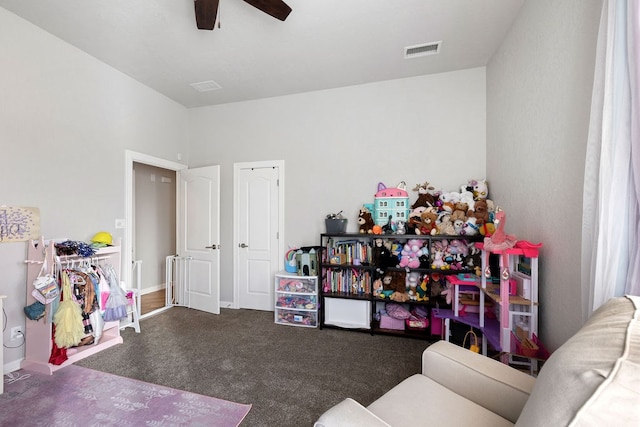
473	346
335	226
417	323
530	347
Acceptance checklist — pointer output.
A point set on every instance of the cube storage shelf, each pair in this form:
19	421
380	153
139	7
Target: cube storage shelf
349	266
296	300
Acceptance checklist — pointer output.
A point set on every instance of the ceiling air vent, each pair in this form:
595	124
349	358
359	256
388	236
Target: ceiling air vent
207	86
422	50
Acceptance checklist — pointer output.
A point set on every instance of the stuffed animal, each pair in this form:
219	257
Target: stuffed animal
500	240
365	221
458	226
444	224
448	293
480	212
381	255
491	207
459	251
459	211
427	223
467	197
412	285
438	251
480	189
399	297
395	281
470	227
388	227
377	287
425	195
414	219
411	252
451	197
421	290
487	229
394	252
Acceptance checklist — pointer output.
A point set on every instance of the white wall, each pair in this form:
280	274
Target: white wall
338	144
65	122
538	99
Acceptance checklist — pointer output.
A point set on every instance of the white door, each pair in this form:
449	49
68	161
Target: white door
199	235
257	245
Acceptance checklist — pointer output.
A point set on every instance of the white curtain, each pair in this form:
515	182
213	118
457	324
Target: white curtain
610	256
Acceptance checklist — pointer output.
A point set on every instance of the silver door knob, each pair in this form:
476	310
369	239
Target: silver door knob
243	245
212	247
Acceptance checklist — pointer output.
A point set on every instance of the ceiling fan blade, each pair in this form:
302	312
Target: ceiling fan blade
206	12
276	8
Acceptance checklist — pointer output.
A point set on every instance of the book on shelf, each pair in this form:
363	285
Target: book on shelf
347	281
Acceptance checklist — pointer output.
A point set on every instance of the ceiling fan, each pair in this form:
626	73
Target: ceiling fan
207	10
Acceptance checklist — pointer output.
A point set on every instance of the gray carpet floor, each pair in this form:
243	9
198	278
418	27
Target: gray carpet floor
290	375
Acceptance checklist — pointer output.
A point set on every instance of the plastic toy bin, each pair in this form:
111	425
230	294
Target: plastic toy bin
296	317
286	300
335	226
303	284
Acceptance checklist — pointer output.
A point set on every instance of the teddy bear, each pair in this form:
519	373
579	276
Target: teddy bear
365	221
411	252
480	212
427	223
459	211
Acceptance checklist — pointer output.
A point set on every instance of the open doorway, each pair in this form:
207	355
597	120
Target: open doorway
154	231
150	212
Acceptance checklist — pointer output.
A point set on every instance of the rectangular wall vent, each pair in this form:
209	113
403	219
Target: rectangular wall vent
422	50
206	86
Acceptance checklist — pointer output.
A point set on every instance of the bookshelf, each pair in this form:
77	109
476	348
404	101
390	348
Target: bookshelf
354	269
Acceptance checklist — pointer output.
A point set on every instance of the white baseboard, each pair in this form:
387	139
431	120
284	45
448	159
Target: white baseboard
151	289
12	366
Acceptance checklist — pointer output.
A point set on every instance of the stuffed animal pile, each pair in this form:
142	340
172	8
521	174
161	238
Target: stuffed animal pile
467	212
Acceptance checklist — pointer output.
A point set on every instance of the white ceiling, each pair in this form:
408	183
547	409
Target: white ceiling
323	44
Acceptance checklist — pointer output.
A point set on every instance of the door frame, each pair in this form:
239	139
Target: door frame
236	211
129	158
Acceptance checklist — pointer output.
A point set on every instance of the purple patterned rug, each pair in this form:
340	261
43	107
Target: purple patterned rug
77	396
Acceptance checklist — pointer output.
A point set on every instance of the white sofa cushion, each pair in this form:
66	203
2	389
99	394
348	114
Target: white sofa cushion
618	397
420	401
486	381
349	413
587	361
